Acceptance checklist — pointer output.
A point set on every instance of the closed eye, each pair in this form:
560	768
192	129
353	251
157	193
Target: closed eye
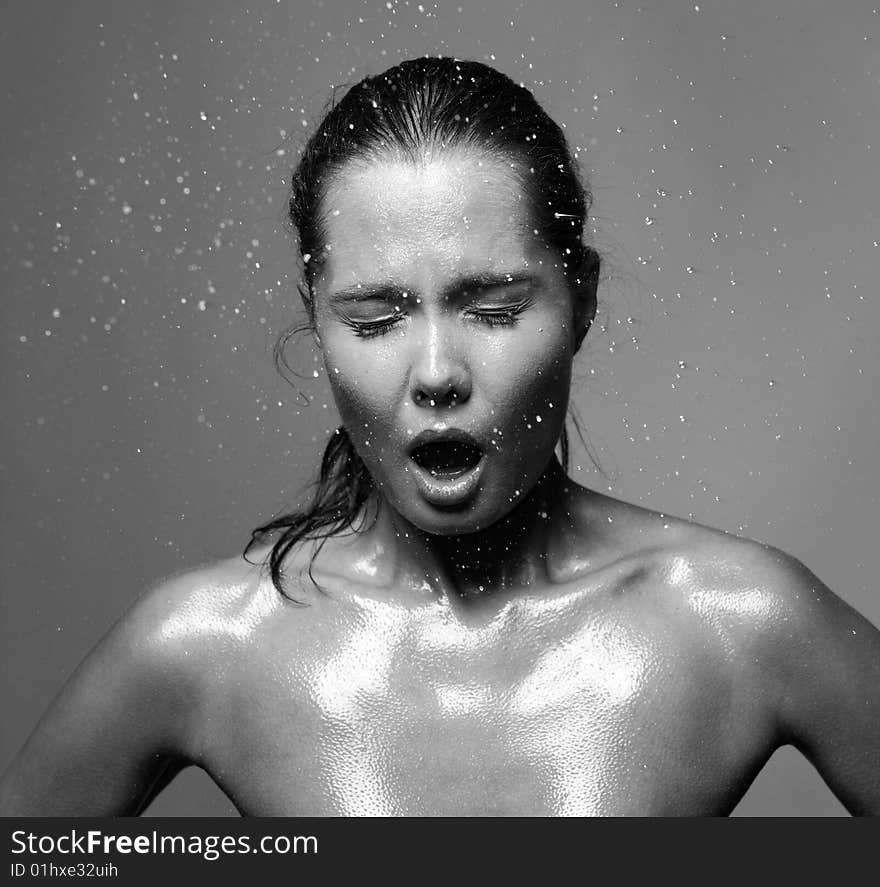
501	315
366	329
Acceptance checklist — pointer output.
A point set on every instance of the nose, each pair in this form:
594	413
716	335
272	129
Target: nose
440	375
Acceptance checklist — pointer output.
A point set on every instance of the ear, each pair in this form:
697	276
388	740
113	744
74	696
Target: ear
584	282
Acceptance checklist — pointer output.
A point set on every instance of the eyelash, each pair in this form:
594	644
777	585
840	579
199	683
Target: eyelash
370	329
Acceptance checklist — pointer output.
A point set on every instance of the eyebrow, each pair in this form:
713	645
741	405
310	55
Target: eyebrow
391	290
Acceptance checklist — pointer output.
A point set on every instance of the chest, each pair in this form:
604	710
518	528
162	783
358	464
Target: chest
594	722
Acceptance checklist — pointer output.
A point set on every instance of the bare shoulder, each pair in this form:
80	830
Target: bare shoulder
765	610
793	651
186	634
138	707
189	618
791	661
763	598
752	591
739	592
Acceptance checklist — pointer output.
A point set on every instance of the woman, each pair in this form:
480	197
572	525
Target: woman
468	631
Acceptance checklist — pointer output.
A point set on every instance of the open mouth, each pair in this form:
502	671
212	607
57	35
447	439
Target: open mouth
445	459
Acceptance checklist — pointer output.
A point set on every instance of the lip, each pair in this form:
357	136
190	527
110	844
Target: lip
454	435
446	492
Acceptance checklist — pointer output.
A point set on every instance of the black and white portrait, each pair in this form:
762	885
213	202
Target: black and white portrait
440	409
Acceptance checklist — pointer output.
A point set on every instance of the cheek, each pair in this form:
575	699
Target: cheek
531	375
364	390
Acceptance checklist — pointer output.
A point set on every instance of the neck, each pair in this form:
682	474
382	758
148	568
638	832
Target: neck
511	553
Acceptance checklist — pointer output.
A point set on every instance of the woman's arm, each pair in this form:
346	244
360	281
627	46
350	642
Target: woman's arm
829	694
121	727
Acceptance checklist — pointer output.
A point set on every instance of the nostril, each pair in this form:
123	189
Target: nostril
434	396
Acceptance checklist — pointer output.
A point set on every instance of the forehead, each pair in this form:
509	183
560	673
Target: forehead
397	219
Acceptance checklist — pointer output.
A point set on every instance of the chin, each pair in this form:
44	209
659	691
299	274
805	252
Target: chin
459	521
450	524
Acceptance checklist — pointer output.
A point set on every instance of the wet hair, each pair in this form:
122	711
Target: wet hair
421	108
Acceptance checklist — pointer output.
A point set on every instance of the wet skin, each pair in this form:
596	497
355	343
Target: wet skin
437	305
538	648
652	673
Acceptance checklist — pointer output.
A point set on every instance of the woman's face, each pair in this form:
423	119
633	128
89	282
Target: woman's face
438	309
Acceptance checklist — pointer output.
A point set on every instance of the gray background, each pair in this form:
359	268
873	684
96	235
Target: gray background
732	149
